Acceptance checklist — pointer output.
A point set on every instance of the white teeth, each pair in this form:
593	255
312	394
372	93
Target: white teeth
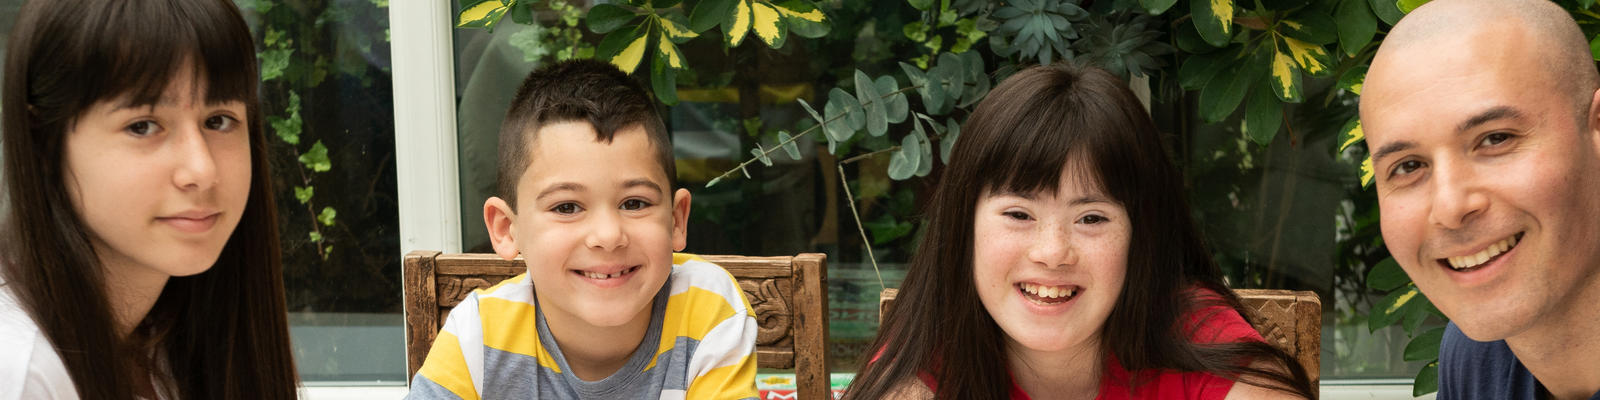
1474	260
1049	292
596	275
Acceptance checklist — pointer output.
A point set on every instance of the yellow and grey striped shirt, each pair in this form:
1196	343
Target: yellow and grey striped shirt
701	322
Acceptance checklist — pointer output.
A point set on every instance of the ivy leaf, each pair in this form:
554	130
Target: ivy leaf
303	193
326	216
872	102
1357	25
273	62
315	236
804	18
317	158
787	142
1214	20
1263	116
1427	380
482	13
895	107
288	129
604	18
624	48
709	13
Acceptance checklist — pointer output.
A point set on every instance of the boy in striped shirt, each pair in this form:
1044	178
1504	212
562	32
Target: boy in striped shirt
606	310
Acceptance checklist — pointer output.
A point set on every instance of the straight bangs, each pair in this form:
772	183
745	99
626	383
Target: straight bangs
130	51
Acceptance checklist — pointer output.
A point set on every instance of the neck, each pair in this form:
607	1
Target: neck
593	352
132	290
1568	338
1060	372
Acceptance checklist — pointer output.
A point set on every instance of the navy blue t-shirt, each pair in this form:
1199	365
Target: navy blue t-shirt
1472	370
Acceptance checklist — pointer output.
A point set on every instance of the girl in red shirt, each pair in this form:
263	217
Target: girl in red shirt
1061	261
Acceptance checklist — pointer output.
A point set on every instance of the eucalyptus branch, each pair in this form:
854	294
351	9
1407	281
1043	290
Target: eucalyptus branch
768	151
868	155
845	181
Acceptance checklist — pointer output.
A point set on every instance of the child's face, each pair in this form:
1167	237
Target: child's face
160	188
1050	266
595	222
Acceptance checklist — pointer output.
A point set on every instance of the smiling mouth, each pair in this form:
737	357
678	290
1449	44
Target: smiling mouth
1478	260
600	276
1048	295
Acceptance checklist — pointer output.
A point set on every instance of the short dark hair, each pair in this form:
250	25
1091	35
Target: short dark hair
586	90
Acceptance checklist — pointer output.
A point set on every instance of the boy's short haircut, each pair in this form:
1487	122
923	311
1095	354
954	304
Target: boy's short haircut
585	90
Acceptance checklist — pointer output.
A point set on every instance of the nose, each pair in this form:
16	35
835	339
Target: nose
1052	246
605	232
1457	199
196	168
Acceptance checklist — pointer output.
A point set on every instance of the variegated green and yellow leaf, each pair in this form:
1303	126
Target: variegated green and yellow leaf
1214	20
1352	79
1366	172
804	18
814	15
767	23
738	23
1351	134
668	52
1312	58
625	49
482	14
1285	76
676	31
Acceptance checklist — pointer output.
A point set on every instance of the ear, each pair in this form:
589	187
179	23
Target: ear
680	219
501	221
1594	120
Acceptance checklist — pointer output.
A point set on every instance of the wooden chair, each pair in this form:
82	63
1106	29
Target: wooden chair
1289	320
788	295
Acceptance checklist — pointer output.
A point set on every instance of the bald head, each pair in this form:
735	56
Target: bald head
1549	37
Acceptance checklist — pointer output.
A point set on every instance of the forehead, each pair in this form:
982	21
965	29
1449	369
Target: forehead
572	151
1416	91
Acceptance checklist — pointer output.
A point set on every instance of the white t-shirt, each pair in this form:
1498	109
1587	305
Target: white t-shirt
29	368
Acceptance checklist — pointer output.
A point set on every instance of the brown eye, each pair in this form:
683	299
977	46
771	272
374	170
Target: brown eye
221	123
1406	167
1495	139
1092	219
1018	215
566	208
634	204
142	128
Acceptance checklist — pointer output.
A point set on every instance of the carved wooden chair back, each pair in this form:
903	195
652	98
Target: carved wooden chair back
1289	320
788	295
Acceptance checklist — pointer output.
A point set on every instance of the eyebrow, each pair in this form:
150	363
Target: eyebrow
1492	114
559	187
1090	199
638	182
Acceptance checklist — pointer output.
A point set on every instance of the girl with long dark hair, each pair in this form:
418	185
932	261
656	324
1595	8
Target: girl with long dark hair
140	256
1061	261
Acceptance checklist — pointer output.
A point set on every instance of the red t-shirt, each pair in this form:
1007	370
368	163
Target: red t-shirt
1212	324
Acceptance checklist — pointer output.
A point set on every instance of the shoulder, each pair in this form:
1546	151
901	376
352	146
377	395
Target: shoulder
910	389
36	372
698	284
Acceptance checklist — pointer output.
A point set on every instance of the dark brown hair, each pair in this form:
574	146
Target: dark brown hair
586	90
224	332
1019	140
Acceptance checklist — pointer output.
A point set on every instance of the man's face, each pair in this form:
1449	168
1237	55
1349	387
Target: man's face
1486	177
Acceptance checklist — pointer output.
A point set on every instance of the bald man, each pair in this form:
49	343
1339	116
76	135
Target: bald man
1483	121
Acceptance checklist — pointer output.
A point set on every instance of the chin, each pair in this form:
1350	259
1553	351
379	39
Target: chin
1498	323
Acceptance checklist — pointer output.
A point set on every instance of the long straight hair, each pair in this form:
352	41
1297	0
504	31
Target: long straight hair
224	332
1019	140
